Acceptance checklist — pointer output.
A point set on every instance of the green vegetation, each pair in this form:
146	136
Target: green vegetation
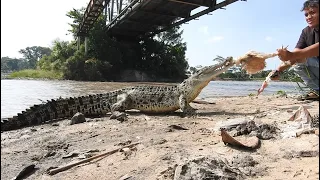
161	57
13	64
281	93
32	73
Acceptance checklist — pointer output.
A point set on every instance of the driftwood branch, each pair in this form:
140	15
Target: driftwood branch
66	167
305	131
202	102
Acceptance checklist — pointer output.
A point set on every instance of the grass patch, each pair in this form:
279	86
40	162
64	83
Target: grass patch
281	93
36	74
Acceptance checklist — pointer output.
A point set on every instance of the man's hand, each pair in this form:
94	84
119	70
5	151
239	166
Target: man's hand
274	75
284	54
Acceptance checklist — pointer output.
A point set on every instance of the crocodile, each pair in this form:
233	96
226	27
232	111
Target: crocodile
145	98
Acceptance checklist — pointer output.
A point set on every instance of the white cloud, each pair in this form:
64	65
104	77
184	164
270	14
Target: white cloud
204	30
215	39
268	38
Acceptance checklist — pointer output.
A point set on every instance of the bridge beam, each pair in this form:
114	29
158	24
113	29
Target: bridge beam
206	3
206	11
165	14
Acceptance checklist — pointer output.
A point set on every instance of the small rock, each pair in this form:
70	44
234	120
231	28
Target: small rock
70	155
92	151
49	154
77	118
126	177
147	118
25	172
177	127
127	152
124	143
120	116
160	141
33	130
54	124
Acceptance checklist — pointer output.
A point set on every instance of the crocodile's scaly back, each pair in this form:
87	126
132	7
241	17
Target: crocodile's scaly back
91	105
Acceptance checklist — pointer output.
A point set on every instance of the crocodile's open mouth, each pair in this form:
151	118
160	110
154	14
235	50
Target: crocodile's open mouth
226	64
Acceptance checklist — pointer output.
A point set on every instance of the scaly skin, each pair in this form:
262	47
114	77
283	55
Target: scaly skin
150	99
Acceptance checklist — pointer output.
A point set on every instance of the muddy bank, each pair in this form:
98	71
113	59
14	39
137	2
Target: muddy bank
170	146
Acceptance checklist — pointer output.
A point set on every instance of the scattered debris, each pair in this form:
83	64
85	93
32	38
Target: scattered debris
244	127
168	173
305	131
230	123
302	114
300	123
248	165
250	142
207	168
303	153
315	121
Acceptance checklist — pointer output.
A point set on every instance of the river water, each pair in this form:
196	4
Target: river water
17	95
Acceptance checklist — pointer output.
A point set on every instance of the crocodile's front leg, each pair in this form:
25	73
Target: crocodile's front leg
187	110
117	109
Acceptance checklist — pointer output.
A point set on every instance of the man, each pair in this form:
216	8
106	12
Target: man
305	56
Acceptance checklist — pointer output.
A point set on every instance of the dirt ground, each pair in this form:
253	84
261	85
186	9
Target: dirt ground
162	146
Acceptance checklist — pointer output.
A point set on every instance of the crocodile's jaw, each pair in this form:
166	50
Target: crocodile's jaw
195	83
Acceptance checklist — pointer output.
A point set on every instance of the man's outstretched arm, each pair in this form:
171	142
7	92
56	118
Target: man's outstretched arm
299	55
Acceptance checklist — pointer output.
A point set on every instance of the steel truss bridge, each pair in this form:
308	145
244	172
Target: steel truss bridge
138	18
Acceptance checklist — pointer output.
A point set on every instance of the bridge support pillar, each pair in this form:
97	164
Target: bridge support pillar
86	45
78	43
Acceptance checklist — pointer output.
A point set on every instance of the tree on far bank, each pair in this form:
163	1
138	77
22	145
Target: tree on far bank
34	53
13	64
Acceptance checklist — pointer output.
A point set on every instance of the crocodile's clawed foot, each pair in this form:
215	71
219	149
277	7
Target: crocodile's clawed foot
190	113
120	116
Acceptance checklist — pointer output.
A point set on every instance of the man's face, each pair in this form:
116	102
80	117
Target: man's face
312	16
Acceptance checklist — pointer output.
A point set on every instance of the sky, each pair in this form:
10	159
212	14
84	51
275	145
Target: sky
259	25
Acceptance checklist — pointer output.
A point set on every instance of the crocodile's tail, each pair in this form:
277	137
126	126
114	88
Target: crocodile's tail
58	109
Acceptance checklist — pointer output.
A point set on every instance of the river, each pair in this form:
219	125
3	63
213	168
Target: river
17	95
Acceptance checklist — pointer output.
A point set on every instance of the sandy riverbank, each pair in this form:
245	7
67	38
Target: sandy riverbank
162	147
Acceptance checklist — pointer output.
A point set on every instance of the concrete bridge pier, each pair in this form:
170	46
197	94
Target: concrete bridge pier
85	43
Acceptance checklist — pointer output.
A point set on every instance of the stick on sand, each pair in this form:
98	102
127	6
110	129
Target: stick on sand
66	167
